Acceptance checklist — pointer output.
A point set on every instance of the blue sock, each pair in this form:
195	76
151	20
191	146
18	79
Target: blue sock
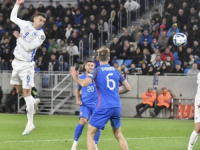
78	132
96	137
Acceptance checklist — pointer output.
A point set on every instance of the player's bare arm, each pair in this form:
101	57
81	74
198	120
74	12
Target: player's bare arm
126	88
78	101
16	34
75	74
18	2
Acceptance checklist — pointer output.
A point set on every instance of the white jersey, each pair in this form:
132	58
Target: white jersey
197	98
30	38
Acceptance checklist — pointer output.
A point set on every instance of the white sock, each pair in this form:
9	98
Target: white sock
29	109
75	144
193	139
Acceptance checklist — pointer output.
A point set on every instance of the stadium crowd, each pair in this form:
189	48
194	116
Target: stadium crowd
147	50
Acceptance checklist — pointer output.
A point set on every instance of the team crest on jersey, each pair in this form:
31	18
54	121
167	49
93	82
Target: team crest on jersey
34	34
42	37
81	113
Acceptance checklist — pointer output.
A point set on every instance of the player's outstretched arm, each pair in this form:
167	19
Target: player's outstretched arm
75	74
78	101
13	16
126	88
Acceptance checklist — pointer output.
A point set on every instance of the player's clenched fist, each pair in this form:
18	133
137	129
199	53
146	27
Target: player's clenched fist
18	2
16	34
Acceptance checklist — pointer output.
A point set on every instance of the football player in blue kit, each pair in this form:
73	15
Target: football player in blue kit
88	104
107	80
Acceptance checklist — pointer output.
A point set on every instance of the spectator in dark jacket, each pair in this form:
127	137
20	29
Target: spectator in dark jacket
187	56
54	63
83	3
177	69
146	45
70	16
125	37
6	60
95	33
144	69
104	16
12	99
193	14
123	15
51	8
196	49
169	64
137	57
132	70
85	43
59	11
182	19
65	56
95	11
26	16
41	8
86	11
56	33
75	39
194	34
114	49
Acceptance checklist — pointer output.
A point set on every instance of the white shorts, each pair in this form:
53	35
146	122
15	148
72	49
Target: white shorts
197	114
23	74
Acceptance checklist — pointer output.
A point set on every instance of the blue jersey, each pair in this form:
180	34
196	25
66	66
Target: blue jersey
89	94
107	79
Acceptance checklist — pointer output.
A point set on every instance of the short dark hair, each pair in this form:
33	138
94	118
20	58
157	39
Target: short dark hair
41	14
89	61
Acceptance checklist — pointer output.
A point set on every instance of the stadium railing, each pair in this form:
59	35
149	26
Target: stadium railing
119	22
61	63
81	51
110	29
91	52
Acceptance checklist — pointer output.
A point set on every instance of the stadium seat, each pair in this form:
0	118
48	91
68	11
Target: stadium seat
198	62
120	61
128	62
186	70
176	57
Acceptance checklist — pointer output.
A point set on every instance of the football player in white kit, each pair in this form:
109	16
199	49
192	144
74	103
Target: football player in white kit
195	133
31	36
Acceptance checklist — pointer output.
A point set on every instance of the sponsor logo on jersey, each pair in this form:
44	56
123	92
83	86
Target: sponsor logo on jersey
34	34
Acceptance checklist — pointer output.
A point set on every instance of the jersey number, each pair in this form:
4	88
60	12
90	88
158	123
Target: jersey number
26	34
110	80
90	89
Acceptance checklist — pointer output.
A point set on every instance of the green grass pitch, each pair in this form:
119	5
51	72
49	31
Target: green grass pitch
57	132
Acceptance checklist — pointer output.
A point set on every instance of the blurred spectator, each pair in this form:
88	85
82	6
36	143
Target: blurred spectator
157	63
11	99
146	56
7	25
153	56
116	66
160	30
194	34
163	102
74	38
52	45
56	33
171	9
78	19
95	33
138	37
41	8
54	63
65	56
2	31
134	33
103	29
155	44
137	57
196	49
114	17
187	57
92	20
95	11
171	45
146	35
73	51
163	41
166	20
51	7
114	49
148	100
173	28
21	10
182	18
123	15
56	53
193	14
59	10
156	16
151	70
153	31
65	23
50	23
85	43
165	54
5	37
146	45
125	37
185	8
26	15
69	30
70	16
132	7
96	61
162	70
124	53
178	69
61	46
103	15
36	68
190	62
144	26
123	69
42	64
86	11
169	64
194	71
6	60
132	70
144	69
81	68
83	3
131	50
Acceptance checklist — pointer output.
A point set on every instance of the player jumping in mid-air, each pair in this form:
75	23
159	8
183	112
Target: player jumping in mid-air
107	79
195	133
88	104
31	36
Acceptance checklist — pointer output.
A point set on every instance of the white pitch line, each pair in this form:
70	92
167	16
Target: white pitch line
56	140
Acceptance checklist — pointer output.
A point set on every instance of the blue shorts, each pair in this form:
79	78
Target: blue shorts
86	112
101	116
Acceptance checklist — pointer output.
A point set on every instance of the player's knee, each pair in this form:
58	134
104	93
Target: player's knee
83	122
118	135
